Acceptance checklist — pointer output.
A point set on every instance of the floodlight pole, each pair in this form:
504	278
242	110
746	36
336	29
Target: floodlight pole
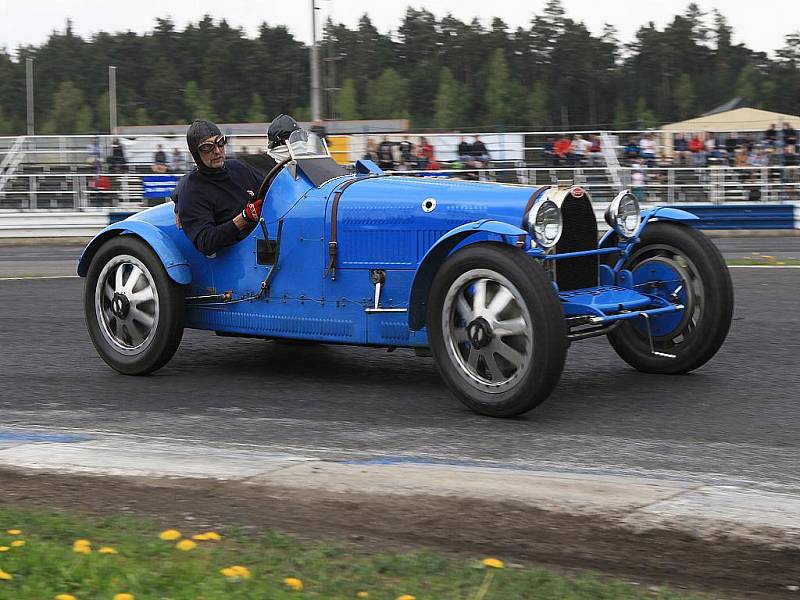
112	99
29	88
315	92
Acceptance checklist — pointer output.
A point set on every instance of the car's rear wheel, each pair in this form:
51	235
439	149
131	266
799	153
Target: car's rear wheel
684	266
496	329
133	310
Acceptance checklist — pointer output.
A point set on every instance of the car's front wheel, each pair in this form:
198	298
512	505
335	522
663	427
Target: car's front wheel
496	330
683	266
133	310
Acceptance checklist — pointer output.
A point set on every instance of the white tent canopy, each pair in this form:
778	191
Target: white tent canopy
737	120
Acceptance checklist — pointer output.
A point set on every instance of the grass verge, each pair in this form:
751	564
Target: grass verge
764	260
45	554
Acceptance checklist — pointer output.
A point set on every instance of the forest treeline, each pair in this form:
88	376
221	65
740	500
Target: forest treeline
440	73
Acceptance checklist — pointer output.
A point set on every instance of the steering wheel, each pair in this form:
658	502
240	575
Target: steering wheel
273	173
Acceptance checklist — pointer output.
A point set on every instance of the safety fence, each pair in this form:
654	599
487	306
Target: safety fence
78	190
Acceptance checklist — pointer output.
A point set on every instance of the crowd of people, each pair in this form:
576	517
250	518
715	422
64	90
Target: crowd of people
405	155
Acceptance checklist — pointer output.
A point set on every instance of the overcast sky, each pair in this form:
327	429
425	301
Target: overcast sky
760	24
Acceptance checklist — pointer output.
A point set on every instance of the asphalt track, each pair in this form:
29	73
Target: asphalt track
732	422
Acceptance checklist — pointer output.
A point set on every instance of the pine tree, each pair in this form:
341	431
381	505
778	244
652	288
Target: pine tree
6	126
450	104
256	113
536	108
387	96
198	103
498	83
346	101
684	96
142	117
70	114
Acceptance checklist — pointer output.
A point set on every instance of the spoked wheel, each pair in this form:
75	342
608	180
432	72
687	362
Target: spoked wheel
134	311
682	265
496	330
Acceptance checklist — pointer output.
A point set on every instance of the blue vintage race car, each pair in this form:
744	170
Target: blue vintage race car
494	280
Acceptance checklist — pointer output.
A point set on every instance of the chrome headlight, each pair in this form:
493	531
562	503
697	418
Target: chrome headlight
545	223
623	214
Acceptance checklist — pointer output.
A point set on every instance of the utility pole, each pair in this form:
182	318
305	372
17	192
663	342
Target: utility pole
112	99
315	91
29	86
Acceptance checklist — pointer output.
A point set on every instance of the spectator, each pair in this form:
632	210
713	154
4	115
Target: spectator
697	148
480	152
385	154
464	150
578	149
595	150
407	152
561	149
771	136
681	147
631	151
647	147
94	158
116	161
638	180
159	161
731	144
789	135
425	156
177	164
371	152
549	151
710	147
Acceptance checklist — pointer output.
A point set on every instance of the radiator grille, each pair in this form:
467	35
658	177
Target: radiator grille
580	233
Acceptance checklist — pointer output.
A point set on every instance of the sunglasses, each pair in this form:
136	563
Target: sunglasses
208	147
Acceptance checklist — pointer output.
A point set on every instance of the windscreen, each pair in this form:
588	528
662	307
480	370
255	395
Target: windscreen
305	144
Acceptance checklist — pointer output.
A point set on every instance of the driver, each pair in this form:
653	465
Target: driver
216	205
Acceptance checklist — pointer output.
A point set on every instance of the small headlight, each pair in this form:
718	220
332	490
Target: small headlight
545	223
623	214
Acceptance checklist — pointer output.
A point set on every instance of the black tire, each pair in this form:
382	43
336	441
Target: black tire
496	374
709	307
144	337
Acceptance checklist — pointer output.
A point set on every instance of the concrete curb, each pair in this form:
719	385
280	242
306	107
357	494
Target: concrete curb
639	503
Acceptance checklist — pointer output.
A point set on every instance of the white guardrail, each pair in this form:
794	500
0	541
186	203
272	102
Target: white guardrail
73	205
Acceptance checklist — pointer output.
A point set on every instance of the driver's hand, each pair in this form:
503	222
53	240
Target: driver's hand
252	211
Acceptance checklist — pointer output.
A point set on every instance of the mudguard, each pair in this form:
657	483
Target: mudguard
173	260
665	213
438	253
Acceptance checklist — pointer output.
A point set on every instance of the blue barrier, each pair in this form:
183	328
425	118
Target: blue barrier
159	186
742	216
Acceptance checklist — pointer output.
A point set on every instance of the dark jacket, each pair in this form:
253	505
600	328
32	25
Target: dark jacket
207	204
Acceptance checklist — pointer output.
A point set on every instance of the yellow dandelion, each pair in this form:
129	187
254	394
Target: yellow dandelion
186	545
65	597
82	549
213	536
406	597
124	597
170	535
17	543
14	532
200	537
229	572
108	550
81	543
362	594
293	583
243	572
4	548
494	563
5	576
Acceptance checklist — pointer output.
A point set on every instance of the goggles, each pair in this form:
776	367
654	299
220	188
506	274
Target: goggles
208	147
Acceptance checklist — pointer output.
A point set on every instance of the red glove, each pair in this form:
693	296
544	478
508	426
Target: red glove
252	211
